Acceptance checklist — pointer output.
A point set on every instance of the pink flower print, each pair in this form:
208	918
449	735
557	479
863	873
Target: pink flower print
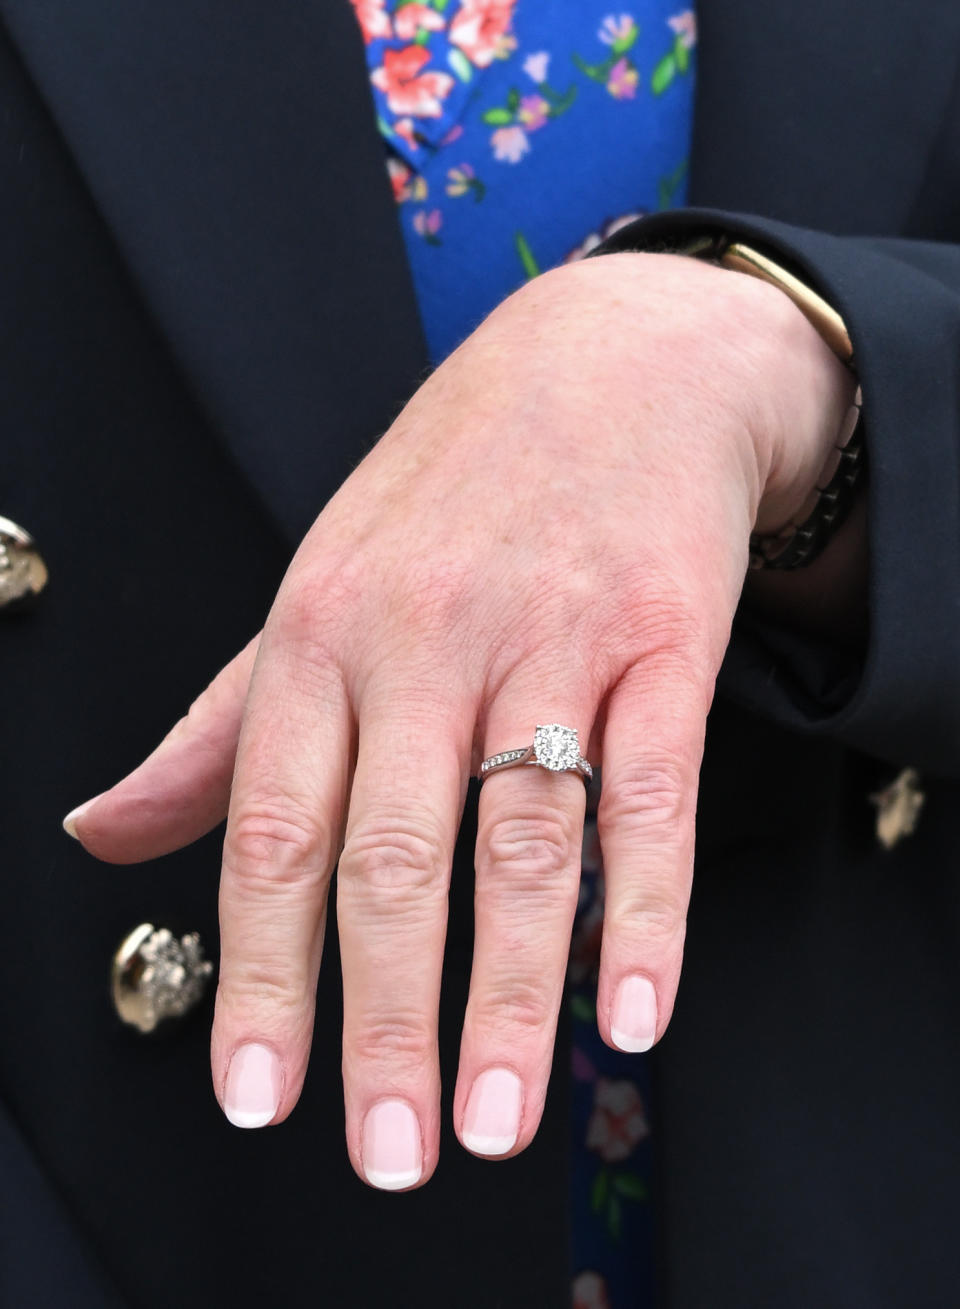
685	26
479	28
618	31
590	1291
510	144
428	225
619	1120
583	249
374	21
579	252
535	66
404	128
413	18
533	112
407	185
400	175
623	79
408	90
453	135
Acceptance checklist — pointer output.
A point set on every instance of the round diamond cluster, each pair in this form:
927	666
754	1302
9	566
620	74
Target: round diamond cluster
556	747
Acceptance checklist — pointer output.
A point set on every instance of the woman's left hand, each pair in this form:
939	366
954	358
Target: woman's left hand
554	530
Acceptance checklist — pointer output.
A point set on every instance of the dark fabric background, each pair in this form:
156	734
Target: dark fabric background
206	318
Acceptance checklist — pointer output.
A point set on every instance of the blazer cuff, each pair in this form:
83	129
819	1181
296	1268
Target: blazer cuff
900	300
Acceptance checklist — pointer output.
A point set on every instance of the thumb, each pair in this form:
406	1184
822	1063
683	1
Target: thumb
181	791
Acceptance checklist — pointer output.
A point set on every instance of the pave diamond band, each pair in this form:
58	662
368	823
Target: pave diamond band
555	748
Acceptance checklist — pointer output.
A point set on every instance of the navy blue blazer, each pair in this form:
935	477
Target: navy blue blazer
206	318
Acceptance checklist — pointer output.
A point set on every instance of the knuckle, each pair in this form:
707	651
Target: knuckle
669	626
294	619
404	1041
531	846
515	1011
273	843
401	857
657	918
276	986
313	604
650	796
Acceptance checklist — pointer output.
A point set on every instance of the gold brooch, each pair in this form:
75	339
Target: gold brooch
157	976
898	808
23	574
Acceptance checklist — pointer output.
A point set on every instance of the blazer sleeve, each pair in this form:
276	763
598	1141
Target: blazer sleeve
899	699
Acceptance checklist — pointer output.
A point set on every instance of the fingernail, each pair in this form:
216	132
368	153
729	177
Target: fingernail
70	822
633	1018
251	1096
491	1121
391	1146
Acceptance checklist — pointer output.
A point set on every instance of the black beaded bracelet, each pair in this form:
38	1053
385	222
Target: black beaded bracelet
801	540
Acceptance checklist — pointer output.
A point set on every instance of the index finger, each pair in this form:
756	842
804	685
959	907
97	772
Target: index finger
282	840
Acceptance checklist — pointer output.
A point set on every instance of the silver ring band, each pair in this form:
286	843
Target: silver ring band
555	748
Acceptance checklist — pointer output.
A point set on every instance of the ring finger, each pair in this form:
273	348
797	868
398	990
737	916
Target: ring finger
528	870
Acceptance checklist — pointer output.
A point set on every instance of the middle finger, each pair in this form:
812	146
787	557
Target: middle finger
392	885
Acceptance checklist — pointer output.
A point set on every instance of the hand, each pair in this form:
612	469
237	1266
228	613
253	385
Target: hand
554	530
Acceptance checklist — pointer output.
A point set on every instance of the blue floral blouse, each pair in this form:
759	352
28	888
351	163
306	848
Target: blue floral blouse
519	134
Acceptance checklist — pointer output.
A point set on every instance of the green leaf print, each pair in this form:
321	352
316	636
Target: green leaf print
681	54
559	104
615	1217
597	71
460	64
513	99
530	265
623	43
630	1185
601	1186
667	186
497	117
663	74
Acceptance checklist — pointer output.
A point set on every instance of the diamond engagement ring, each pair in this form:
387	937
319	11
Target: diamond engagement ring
554	747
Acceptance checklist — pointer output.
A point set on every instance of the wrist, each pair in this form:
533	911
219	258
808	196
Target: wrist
747	364
816	392
807	469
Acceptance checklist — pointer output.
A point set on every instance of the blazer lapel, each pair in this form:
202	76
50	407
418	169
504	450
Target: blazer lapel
233	151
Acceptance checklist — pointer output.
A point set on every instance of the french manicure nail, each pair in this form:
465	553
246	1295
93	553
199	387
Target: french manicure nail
251	1096
391	1147
491	1121
633	1017
70	822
